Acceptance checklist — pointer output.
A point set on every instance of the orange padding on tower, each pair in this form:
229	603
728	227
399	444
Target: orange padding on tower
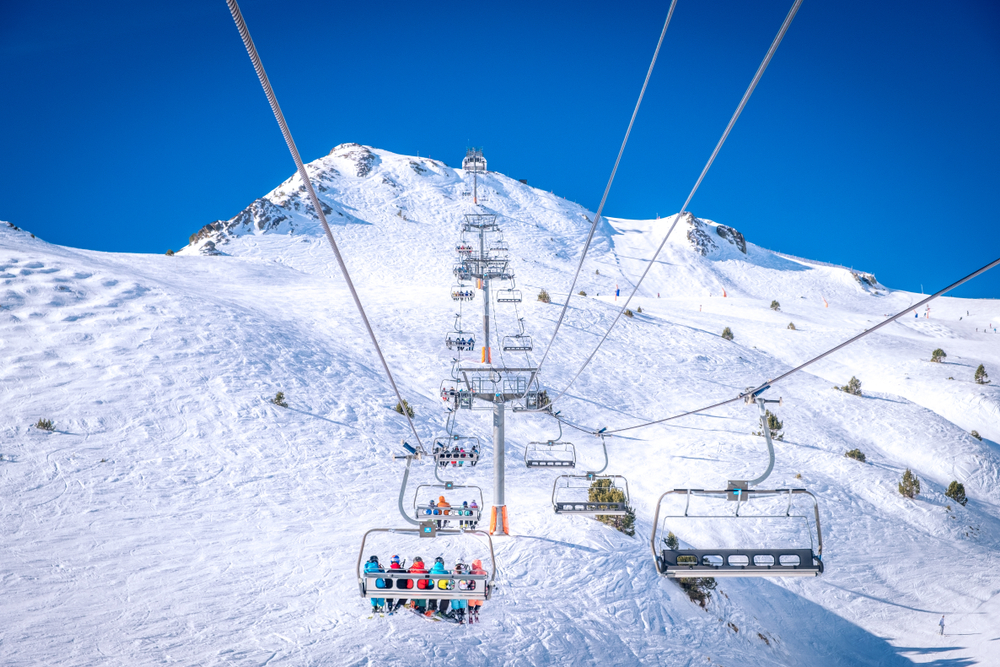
493	520
506	527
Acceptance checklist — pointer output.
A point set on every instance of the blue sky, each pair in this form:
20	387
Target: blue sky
870	142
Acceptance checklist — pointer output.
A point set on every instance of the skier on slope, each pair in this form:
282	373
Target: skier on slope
474	605
941	623
378	604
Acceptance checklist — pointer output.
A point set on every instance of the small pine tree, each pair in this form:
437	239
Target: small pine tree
727	333
981	376
582	293
937	355
698	589
910	486
544	297
170	253
956	491
671	541
279	400
597	272
975	434
775	306
852	387
774	425
629	313
602	491
856	454
639	309
45	425
791	325
405	406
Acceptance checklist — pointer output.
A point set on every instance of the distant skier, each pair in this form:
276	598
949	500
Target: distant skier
378	604
941	623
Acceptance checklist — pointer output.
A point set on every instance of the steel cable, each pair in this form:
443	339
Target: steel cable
732	121
607	190
241	25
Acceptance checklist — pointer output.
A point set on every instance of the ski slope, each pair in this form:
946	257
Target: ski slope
177	516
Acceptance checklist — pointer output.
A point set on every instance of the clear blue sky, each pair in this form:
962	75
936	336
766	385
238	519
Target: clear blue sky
872	140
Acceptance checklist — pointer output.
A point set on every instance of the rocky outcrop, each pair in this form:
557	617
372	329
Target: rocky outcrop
733	237
698	236
364	160
260	216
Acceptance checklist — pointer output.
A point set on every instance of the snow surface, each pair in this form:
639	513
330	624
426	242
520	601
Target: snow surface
176	516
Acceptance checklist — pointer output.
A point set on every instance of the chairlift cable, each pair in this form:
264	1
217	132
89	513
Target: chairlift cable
607	190
241	25
732	121
771	383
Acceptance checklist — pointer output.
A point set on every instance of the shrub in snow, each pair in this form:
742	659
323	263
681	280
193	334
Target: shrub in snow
856	454
404	407
602	491
698	590
727	333
582	293
910	485
45	425
981	376
639	309
597	272
544	297
956	491
773	425
279	400
975	434
937	355
775	306
671	542
170	253
791	325
629	313
852	387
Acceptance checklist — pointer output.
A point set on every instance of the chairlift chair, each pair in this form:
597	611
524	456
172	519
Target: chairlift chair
571	494
461	271
550	454
453	450
509	296
463	248
517	343
424	511
461	341
462	292
761	561
424	585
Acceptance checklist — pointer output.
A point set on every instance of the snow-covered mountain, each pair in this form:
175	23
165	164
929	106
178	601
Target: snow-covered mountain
175	515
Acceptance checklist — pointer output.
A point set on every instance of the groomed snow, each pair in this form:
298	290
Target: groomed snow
175	515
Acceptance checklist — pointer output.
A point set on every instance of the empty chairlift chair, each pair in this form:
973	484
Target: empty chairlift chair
550	454
425	585
509	296
757	560
517	343
591	495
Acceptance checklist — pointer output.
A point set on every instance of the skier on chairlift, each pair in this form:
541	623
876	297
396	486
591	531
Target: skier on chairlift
439	607
393	604
372	566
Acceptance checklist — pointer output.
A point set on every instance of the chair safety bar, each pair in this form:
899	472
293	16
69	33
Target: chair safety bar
587	507
478	586
435	513
533	458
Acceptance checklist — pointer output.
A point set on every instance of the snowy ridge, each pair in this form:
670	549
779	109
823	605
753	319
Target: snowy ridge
177	516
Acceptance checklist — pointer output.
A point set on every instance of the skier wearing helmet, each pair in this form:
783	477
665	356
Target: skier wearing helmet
378	604
439	606
418	567
394	564
459	606
474	605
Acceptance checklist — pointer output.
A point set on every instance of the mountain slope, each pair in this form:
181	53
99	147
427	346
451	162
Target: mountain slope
176	515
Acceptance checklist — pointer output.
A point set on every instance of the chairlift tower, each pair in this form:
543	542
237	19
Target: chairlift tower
474	163
487	386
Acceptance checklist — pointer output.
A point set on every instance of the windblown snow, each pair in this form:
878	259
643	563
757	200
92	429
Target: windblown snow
176	516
